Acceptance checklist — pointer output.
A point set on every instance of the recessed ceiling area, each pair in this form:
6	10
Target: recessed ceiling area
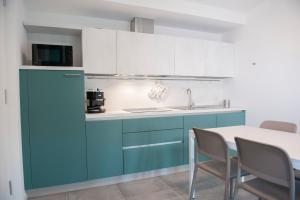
206	15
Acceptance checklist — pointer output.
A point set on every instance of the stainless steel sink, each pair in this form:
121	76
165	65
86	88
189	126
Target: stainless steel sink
147	110
205	107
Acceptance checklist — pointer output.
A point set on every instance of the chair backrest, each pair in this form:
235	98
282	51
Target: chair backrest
266	162
211	144
279	126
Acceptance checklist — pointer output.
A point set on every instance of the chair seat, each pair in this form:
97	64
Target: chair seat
218	168
268	190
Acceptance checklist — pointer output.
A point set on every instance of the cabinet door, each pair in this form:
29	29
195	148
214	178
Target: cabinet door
145	54
104	148
189	57
231	119
57	127
220	59
99	51
196	121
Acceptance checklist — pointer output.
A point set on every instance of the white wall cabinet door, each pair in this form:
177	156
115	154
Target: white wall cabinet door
99	51
144	54
220	59
190	57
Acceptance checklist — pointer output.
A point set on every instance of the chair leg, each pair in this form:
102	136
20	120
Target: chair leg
193	183
227	189
232	186
236	188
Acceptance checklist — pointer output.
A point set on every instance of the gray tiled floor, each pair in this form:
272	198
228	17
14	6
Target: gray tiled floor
169	187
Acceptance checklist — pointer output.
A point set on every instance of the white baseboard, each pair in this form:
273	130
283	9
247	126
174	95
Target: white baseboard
104	181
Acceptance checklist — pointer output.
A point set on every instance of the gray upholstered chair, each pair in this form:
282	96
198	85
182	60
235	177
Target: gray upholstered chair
272	168
279	126
222	166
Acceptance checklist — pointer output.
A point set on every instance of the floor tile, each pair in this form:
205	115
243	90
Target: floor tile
143	187
111	192
61	196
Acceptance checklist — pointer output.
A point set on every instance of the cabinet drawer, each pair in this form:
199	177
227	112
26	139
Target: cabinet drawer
151	158
153	137
152	124
231	119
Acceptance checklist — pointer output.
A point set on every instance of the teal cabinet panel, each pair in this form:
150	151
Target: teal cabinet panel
104	148
231	119
25	129
152	124
142	138
196	121
151	158
57	127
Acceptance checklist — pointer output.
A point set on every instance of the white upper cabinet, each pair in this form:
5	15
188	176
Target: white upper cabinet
220	59
99	51
190	57
144	54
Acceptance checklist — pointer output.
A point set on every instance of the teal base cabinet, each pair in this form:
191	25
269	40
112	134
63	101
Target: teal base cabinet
53	127
152	157
104	148
152	143
231	119
197	121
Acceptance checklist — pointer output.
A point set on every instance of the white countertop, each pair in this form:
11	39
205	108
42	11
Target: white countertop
50	67
111	115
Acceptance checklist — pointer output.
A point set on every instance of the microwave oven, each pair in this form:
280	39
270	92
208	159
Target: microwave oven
52	55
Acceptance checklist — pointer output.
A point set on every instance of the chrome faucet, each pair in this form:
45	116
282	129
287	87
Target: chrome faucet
190	102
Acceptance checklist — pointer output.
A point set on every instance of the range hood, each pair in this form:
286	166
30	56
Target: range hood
142	25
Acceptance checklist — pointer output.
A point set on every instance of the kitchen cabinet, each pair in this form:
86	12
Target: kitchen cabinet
144	151
144	54
99	51
231	119
152	143
190	57
53	127
220	59
104	148
196	121
152	124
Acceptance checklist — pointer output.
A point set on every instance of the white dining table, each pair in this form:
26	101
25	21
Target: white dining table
290	142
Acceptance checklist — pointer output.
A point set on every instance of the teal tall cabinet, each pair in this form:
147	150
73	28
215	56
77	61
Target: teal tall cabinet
53	127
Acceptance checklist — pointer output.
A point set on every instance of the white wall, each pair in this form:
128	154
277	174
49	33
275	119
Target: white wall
122	94
14	38
4	153
270	89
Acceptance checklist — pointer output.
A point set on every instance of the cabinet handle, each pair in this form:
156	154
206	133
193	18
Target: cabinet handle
151	145
72	75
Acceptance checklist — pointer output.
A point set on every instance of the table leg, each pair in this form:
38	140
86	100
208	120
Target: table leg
191	159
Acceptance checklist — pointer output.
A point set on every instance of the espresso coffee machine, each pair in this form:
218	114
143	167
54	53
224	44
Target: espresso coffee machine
95	101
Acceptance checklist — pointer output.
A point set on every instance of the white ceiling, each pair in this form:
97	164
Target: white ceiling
236	5
206	15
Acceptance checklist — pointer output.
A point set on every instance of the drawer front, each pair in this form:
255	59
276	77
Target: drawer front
196	121
152	137
152	124
231	119
153	157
